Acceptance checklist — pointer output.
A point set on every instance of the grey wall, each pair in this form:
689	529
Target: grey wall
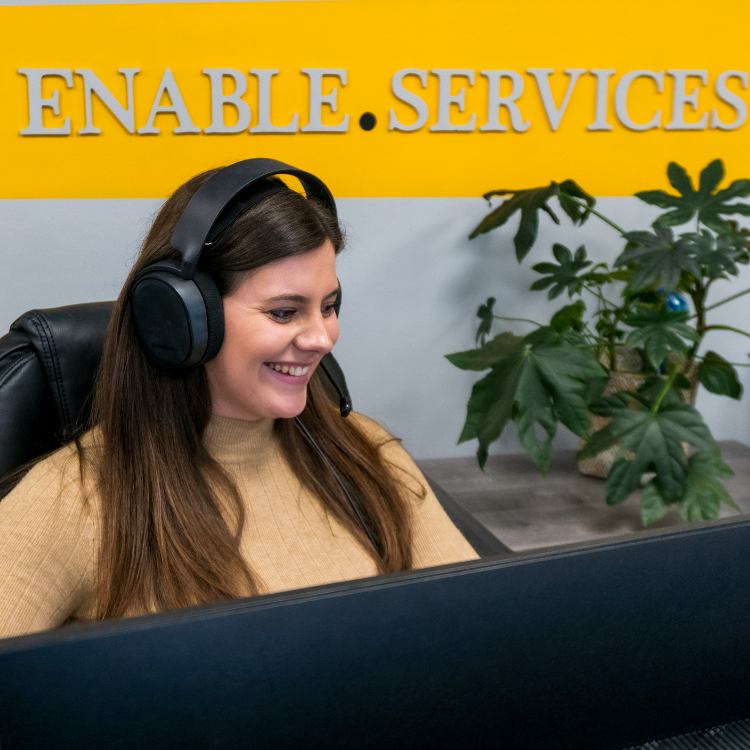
411	279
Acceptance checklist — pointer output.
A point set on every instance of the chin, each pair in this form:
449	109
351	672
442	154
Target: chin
289	411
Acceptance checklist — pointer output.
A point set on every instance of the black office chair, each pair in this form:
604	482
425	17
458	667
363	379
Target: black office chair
48	362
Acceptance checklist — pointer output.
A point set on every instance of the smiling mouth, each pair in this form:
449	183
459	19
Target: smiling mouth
292	371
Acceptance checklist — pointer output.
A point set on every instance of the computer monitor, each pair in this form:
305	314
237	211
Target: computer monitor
601	646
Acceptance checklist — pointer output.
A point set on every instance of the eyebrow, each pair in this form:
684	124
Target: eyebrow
299	297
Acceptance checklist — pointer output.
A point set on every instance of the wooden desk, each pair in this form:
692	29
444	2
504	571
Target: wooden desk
526	511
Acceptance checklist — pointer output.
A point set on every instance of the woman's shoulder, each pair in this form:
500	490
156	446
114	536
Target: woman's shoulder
63	474
372	429
391	451
48	533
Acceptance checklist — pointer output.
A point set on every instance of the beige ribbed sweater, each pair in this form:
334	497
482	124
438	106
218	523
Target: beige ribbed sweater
49	533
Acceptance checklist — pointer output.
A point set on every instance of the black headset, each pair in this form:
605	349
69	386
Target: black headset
176	308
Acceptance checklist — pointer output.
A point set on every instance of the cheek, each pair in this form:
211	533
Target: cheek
242	348
334	329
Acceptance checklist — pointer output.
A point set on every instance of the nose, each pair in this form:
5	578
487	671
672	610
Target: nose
318	334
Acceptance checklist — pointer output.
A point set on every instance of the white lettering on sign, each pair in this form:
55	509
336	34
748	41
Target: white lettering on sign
220	100
61	101
176	106
37	103
602	76
409	98
553	112
265	125
621	99
318	100
495	102
729	97
681	98
447	100
92	85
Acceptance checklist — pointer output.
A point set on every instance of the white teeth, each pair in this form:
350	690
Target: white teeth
295	371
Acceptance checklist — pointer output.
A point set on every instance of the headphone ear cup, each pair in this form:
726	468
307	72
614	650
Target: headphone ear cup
179	322
214	314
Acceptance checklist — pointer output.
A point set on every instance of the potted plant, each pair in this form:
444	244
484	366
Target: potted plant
645	313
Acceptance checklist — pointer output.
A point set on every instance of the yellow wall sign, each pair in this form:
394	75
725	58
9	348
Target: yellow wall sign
379	98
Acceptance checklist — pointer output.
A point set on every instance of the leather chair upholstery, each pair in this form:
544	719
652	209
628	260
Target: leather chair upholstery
48	362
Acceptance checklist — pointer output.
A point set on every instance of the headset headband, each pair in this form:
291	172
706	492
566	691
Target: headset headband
206	206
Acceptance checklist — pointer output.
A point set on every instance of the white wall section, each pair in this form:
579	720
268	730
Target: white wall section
411	284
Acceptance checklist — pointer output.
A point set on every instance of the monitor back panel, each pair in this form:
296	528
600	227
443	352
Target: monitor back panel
603	647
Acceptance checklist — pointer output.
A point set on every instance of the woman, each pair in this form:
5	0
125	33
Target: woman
233	477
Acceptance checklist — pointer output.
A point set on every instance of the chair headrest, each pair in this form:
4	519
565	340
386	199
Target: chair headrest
48	363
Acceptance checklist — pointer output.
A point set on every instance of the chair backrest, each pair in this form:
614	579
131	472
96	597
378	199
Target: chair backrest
48	362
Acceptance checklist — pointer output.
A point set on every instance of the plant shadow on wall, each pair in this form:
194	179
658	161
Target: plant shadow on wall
620	364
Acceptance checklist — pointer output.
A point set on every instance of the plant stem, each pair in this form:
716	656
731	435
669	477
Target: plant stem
611	223
727	328
727	299
698	297
598	294
518	320
598	215
665	389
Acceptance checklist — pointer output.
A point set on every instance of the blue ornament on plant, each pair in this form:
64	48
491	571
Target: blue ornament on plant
676	302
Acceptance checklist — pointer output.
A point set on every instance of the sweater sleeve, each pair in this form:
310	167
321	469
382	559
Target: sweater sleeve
46	547
436	540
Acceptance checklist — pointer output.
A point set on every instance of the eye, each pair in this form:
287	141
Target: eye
329	309
282	315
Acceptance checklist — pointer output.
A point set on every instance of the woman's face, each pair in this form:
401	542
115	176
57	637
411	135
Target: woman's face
279	322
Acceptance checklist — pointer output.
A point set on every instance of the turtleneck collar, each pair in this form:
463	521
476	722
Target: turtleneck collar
236	441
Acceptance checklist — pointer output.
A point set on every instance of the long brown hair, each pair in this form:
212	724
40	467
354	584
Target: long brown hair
165	540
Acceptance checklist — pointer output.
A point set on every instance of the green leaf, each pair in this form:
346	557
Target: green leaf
565	274
623	480
569	191
719	376
711	206
657	260
678	179
659	198
485	315
655	442
710	178
569	317
718	255
535	417
704	491
498	352
675	218
605	406
528	203
537	381
653	506
566	372
659	332
490	407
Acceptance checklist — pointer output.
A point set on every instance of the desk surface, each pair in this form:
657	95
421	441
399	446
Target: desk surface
526	510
